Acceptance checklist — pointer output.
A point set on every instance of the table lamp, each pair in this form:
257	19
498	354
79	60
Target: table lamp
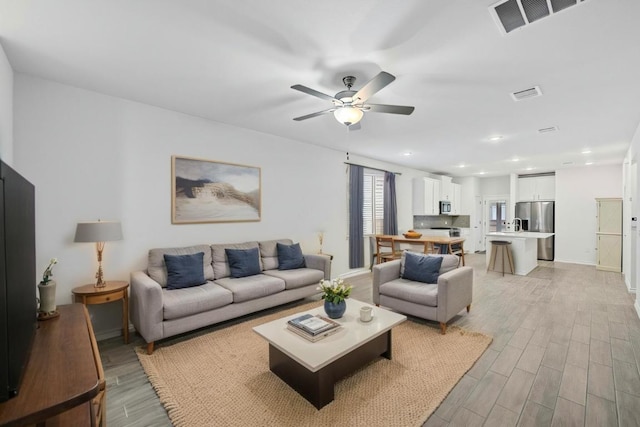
98	232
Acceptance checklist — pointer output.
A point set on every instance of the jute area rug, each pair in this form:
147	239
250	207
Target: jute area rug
223	379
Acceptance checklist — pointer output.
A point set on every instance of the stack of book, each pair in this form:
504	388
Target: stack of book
313	328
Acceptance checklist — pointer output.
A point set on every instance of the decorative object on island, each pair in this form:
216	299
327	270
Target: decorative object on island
210	191
98	232
334	293
47	291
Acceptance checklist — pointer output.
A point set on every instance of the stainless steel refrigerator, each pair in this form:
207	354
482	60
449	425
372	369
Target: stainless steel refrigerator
539	217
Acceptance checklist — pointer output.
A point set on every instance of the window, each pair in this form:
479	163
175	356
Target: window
373	210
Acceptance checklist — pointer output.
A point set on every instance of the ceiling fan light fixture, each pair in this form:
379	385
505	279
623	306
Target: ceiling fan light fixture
348	115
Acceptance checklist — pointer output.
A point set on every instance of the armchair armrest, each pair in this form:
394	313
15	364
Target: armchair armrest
455	292
146	306
383	273
319	262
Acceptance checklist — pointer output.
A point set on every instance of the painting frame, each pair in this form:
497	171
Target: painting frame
211	191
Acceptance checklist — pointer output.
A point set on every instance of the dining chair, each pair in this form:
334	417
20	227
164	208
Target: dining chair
431	248
386	249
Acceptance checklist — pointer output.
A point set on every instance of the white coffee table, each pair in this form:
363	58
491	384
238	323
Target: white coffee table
311	368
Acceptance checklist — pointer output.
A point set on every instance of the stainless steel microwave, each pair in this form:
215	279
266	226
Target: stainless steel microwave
445	207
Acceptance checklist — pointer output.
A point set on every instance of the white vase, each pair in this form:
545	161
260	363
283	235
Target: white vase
47	296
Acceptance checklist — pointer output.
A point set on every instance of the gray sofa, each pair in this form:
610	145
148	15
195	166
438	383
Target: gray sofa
157	312
439	301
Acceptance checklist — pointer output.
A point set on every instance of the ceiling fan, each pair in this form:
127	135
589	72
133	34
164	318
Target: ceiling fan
349	106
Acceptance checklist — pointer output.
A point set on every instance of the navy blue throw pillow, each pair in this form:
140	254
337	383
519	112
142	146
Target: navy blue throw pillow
184	271
244	262
290	256
421	268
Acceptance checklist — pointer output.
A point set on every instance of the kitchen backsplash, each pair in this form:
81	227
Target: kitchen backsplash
430	221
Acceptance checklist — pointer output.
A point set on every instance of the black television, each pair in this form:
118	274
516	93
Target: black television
18	306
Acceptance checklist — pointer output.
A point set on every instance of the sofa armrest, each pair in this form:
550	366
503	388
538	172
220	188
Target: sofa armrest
455	292
319	262
146	306
383	273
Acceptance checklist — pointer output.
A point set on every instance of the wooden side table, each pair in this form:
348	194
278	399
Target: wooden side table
114	291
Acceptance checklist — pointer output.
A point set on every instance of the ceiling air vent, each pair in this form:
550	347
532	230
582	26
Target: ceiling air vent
549	129
532	92
513	14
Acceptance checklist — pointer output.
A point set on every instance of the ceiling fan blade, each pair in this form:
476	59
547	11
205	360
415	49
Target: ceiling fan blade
373	86
393	109
315	93
319	113
355	126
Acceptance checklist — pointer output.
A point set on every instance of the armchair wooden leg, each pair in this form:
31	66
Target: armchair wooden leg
468	308
150	347
443	328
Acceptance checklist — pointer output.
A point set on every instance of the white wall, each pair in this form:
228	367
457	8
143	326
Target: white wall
93	156
6	109
576	191
495	186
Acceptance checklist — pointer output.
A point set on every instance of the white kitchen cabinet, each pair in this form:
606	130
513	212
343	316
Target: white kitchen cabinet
446	190
456	190
426	196
609	235
536	188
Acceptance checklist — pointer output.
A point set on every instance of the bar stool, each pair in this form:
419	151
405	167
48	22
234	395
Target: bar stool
505	248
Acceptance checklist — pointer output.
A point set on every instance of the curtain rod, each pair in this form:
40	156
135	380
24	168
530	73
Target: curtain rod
369	167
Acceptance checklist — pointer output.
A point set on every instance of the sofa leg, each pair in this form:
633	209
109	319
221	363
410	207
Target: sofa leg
150	347
468	308
443	328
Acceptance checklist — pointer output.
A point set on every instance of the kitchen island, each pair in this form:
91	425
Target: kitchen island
524	248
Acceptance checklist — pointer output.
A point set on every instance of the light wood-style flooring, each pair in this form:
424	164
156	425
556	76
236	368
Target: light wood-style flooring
566	352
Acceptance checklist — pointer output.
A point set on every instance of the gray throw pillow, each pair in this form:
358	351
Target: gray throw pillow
244	262
421	268
184	271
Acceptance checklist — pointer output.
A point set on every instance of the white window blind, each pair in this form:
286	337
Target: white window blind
373	209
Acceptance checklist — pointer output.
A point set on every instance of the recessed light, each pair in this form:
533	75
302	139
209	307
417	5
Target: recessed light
407	153
529	168
495	138
586	152
515	159
462	165
588	163
481	173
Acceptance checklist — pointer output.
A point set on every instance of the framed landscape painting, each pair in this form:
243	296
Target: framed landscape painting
210	191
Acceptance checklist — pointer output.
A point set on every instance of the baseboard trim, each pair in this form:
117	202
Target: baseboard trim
637	306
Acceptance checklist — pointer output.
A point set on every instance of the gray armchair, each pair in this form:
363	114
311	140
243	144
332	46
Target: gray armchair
439	301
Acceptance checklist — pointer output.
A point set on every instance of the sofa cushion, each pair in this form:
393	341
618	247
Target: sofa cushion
449	262
220	263
243	262
179	303
290	256
269	252
298	277
157	269
421	268
252	287
408	290
184	271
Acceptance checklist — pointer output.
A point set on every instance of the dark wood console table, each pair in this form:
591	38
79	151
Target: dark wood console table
62	377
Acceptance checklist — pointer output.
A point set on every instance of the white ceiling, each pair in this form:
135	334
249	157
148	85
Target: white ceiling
234	62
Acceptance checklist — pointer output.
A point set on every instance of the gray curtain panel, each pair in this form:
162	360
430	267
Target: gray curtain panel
356	203
390	224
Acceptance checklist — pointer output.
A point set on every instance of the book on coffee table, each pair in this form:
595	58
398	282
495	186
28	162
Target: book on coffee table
312	338
313	325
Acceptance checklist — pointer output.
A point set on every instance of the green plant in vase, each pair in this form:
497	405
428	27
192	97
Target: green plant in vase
334	293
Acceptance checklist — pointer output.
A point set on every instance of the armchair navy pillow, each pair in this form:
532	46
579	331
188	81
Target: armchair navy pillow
243	262
184	271
290	256
421	268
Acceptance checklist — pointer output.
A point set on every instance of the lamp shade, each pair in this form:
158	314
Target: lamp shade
98	231
348	115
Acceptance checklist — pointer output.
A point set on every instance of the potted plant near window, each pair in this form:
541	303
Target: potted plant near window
334	293
47	291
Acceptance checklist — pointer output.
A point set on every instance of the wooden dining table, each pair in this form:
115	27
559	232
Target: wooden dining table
450	242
